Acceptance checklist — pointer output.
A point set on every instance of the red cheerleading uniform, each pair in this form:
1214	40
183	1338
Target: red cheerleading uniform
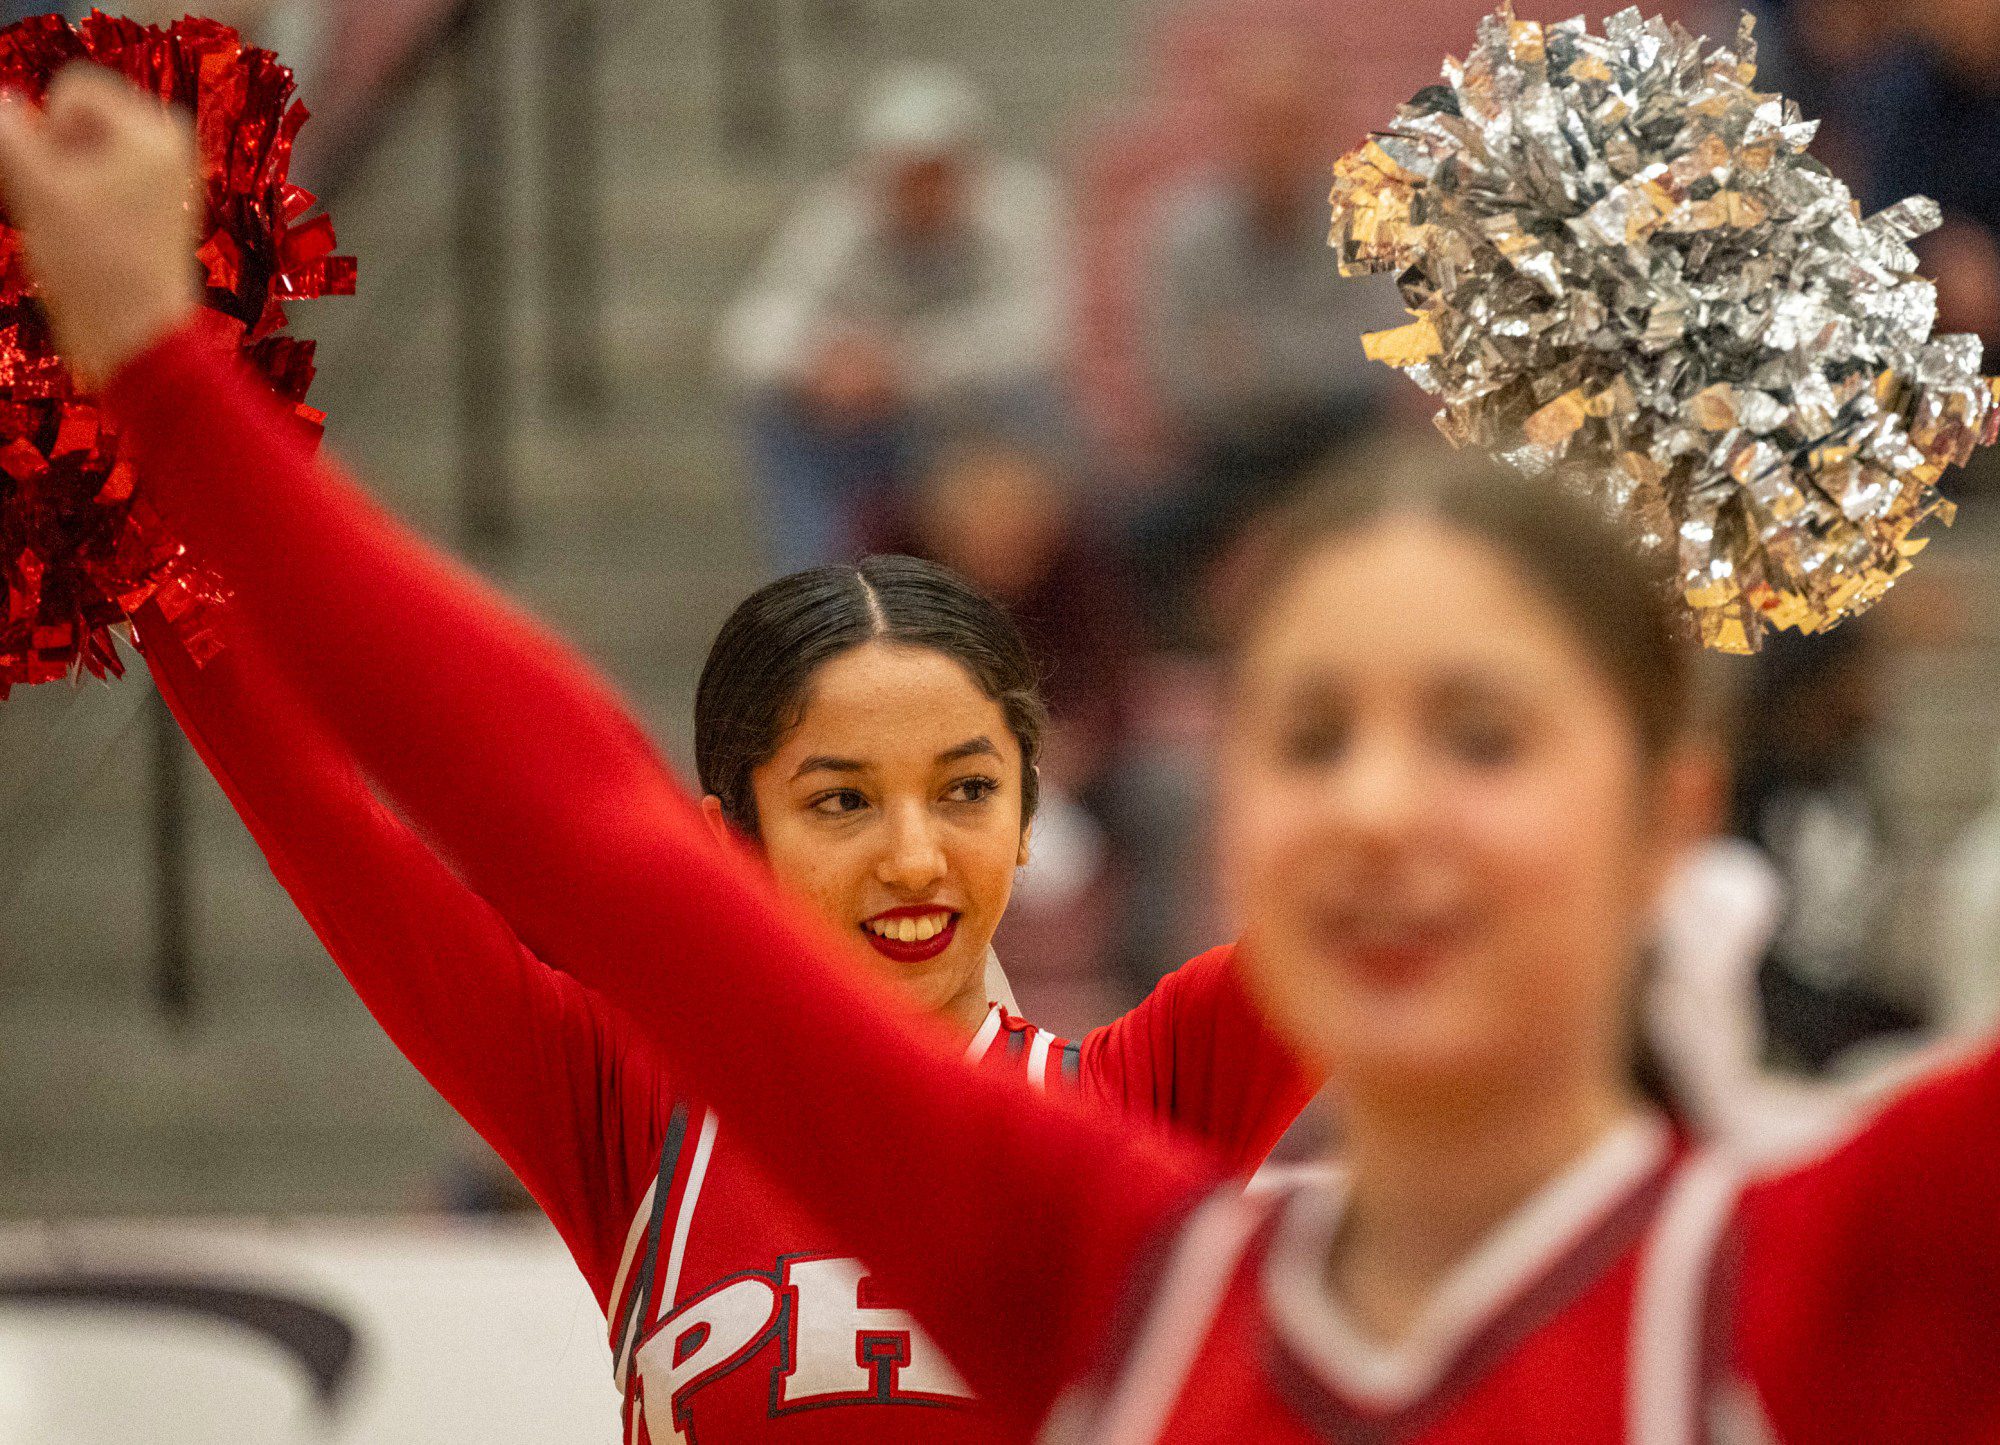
735	1314
1103	1284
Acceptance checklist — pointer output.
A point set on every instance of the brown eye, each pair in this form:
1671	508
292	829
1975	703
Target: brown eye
1483	738
1313	740
838	803
972	790
1314	725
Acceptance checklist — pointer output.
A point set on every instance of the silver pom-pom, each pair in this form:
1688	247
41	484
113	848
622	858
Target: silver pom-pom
1626	269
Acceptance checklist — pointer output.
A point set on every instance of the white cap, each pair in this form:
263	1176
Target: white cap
919	110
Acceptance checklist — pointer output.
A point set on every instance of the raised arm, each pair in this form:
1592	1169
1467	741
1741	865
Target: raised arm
431	682
770	334
557	1082
481	731
1010	1224
1871	1277
1196	1054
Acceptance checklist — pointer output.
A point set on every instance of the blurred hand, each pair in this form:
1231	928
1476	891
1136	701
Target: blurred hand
101	184
853	380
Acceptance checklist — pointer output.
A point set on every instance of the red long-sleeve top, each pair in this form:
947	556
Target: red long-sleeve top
1853	1298
572	1098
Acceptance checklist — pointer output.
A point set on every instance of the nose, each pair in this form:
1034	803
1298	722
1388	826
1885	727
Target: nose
913	859
1377	799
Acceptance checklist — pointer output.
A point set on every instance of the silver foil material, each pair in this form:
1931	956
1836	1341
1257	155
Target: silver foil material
1625	269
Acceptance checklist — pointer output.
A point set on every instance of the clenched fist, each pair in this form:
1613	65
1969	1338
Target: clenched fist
101	185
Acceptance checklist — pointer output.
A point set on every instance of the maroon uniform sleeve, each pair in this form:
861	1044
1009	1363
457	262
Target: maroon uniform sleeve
1196	1054
557	1082
1009	1223
1870	1281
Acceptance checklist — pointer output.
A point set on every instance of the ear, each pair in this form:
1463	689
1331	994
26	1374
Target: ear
718	821
1028	828
1692	792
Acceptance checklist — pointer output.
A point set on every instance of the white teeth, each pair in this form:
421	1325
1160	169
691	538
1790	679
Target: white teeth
910	930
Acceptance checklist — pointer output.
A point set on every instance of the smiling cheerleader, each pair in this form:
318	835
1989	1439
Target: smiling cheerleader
871	733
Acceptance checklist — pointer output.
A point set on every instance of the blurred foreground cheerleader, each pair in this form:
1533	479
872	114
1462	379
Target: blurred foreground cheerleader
1456	773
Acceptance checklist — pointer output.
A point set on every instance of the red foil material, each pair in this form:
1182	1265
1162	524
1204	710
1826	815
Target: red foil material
80	552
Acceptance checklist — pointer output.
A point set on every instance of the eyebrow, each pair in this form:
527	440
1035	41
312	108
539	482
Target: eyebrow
979	747
821	763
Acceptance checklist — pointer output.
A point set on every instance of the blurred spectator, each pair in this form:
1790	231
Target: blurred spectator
1812	51
1115	876
1911	101
1252	335
1005	516
1931	113
1805	794
925	284
1002	516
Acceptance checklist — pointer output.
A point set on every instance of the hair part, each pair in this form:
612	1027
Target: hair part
757	682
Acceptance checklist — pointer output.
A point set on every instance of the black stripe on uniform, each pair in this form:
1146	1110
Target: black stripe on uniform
642	1289
1017	1040
1072	1062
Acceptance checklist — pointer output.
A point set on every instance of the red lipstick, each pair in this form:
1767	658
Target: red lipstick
901	952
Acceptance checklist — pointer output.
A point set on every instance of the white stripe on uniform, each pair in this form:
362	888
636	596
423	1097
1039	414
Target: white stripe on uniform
988	1032
1038	1058
1668	1315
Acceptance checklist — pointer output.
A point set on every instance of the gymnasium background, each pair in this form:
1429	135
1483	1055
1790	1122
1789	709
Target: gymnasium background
229	1211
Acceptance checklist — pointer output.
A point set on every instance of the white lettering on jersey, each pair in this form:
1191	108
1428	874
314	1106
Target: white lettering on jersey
834	1348
841	1348
704	1338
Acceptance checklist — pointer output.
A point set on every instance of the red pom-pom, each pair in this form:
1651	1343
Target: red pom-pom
79	550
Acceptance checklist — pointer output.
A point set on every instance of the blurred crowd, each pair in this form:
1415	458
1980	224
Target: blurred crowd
1083	381
1085	385
1909	100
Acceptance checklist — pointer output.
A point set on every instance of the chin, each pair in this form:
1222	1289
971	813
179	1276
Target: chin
1439	1057
1409	1037
1412	1063
934	984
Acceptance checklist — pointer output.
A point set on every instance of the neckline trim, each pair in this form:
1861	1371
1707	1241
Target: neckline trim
1555	1224
989	1030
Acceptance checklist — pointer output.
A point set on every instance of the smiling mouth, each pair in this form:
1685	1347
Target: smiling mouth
911	935
1390	953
